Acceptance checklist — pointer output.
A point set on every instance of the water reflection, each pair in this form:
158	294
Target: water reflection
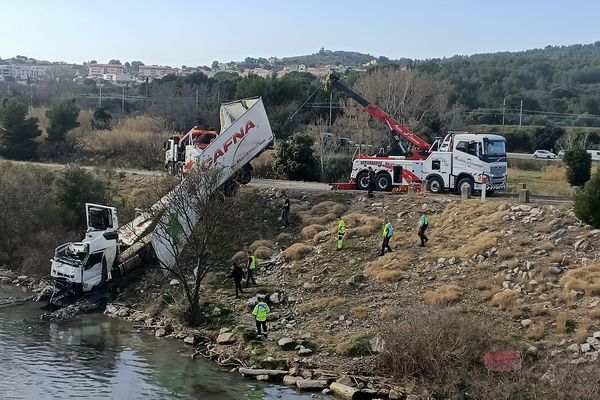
98	357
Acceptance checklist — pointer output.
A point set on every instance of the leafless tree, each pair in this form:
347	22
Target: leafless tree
572	140
187	225
326	144
411	97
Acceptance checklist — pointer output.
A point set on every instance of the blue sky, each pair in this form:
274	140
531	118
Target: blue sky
195	33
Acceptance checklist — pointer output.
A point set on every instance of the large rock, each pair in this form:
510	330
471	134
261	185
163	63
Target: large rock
160	332
191	339
526	322
343	391
287	343
311	384
226	338
581	244
304	351
290	380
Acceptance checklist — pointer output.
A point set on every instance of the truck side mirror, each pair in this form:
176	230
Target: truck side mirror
166	145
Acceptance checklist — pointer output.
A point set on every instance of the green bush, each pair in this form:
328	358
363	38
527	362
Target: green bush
587	202
579	166
295	160
338	168
17	133
63	117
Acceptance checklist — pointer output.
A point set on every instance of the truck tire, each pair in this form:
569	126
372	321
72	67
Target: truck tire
170	169
245	175
463	182
436	185
230	188
362	181
383	182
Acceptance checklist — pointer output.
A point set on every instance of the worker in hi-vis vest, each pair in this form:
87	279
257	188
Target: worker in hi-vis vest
387	233
423	224
250	267
341	234
261	312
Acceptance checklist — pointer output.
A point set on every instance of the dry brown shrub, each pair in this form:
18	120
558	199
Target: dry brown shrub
309	232
483	285
555	258
505	300
263	252
512	264
536	331
363	224
538	310
353	344
585	278
320	304
561	322
386	268
543	228
505	254
594	313
546	245
495	218
260	243
283	236
554	173
296	251
239	257
583	327
523	241
387	314
320	220
325	207
445	294
360	312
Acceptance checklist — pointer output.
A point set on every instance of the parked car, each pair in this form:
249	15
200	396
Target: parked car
595	154
543	154
561	154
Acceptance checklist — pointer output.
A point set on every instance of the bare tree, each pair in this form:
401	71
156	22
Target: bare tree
572	140
411	97
185	229
326	144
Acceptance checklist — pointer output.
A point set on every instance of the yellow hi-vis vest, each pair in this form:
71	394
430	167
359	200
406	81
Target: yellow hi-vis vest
252	262
341	227
385	232
261	310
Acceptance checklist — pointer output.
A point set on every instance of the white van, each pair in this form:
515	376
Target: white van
595	154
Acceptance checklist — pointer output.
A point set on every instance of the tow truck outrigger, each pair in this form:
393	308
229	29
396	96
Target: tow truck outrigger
457	160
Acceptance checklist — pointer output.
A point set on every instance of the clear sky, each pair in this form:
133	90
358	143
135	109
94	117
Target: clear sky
176	32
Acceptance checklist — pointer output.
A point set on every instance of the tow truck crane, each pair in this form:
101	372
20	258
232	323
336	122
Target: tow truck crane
460	159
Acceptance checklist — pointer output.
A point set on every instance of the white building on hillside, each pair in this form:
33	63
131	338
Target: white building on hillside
98	70
155	71
22	72
117	79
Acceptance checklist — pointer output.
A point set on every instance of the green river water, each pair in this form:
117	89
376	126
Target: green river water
96	357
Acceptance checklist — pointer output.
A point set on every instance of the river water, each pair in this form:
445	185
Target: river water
96	357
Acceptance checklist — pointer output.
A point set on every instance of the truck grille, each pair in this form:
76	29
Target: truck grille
497	170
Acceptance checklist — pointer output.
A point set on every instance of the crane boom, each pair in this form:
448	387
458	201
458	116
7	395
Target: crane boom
397	130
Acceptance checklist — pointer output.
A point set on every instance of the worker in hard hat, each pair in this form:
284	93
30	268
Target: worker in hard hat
423	224
250	268
387	233
261	312
341	233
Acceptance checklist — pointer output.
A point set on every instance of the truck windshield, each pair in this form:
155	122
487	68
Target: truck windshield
494	148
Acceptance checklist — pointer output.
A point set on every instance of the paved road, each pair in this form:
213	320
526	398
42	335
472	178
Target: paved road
528	156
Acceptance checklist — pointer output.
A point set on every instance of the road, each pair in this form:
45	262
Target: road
528	156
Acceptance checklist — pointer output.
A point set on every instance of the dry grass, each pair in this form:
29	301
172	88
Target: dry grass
353	344
505	254
586	279
320	304
283	236
505	300
540	182
547	246
296	251
555	258
543	228
536	331
321	220
263	252
386	268
538	310
561	322
387	314
582	332
360	312
483	285
523	241
310	231
260	243
445	294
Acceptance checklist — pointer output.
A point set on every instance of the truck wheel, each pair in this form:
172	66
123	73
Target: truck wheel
245	175
383	182
436	185
170	169
362	181
465	182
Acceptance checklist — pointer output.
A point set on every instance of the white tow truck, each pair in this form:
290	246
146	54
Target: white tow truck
108	250
460	159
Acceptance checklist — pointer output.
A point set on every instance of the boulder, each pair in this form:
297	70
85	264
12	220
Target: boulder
585	347
226	338
275	298
346	381
526	322
191	339
596	334
581	244
395	394
160	332
263	378
554	270
343	391
311	384
287	343
304	351
290	380
574	348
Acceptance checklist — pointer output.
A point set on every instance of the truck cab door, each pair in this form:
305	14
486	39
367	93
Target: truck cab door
102	236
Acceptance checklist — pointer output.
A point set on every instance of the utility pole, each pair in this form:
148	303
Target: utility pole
123	101
330	101
503	111
521	114
196	100
100	86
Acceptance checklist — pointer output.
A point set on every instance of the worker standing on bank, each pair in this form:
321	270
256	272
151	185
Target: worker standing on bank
261	312
423	224
371	181
250	268
341	234
387	233
237	274
285	212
